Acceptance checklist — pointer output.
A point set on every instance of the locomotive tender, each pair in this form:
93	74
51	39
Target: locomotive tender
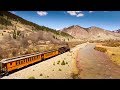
12	64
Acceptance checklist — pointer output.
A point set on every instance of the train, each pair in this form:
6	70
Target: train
11	64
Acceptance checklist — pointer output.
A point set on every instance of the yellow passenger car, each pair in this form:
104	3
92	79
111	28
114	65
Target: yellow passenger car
17	63
50	54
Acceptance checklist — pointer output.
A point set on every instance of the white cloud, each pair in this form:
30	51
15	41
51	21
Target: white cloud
13	12
105	11
91	11
42	13
76	13
80	15
73	13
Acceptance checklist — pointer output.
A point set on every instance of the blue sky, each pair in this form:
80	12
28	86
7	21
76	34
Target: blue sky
109	20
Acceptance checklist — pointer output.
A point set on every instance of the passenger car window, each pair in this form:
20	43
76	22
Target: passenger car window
17	63
10	63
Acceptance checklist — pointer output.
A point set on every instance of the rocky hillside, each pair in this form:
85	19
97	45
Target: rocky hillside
91	33
10	22
19	36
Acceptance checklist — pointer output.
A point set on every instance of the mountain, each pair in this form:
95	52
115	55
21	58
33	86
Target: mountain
117	31
76	31
91	33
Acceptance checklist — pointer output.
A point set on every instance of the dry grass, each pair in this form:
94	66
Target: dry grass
112	43
113	53
12	50
32	43
101	49
74	43
75	76
31	77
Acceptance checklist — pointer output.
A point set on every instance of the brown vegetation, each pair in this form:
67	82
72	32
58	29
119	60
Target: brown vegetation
31	77
112	43
75	76
25	37
15	45
63	62
74	43
101	49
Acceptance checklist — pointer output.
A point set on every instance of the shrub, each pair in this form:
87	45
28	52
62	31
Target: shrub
31	77
54	63
112	43
58	62
1	57
113	54
74	76
24	42
66	62
100	49
63	62
60	70
5	22
18	33
41	74
14	52
14	34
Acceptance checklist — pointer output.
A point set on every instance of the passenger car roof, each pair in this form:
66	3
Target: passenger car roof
23	57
